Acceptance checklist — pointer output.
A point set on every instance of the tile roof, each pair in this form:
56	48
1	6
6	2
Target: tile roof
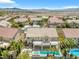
41	32
4	23
55	20
21	19
36	19
71	33
70	21
7	32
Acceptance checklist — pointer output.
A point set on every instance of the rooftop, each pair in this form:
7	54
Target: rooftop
21	19
71	33
41	32
55	20
36	18
4	23
32	16
7	32
71	21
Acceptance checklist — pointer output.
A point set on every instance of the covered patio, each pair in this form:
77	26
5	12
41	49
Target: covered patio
42	44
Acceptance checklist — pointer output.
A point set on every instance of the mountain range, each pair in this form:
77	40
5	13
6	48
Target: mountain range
41	10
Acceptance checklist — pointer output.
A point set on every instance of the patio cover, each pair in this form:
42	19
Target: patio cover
54	42
37	43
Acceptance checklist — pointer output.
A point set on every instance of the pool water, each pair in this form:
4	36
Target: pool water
74	52
50	52
45	53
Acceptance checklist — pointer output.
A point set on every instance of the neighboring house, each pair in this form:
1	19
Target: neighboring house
4	23
30	26
8	18
45	17
9	34
54	21
72	21
21	19
3	17
71	33
42	36
31	16
35	20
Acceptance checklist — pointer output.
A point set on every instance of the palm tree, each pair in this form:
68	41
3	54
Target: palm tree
29	21
13	45
1	38
17	46
45	22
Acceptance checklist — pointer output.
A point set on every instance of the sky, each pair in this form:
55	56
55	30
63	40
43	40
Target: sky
39	4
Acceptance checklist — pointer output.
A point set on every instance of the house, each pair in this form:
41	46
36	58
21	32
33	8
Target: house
8	18
3	17
45	17
54	21
42	36
21	19
71	33
36	20
32	16
4	23
72	21
30	26
9	34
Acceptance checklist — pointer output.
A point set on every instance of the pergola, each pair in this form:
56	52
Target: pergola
42	44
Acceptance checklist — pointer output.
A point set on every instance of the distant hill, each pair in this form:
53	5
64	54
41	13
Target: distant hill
10	9
18	9
48	11
41	10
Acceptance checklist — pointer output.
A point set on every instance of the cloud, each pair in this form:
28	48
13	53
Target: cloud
57	8
6	1
71	7
65	7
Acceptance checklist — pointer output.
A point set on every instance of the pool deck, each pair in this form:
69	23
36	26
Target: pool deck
45	53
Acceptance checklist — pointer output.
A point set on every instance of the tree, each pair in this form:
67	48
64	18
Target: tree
45	22
30	22
24	55
4	54
17	46
68	43
1	38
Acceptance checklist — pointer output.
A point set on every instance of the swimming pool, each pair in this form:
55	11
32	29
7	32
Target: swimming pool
74	52
45	53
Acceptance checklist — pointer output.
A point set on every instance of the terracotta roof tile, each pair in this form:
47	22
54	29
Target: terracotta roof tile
71	33
8	32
